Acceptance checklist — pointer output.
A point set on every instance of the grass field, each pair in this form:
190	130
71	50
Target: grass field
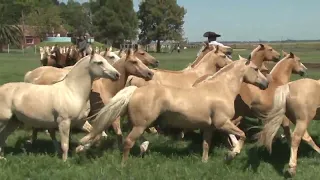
167	159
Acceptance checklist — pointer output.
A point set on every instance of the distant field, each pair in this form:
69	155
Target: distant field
168	158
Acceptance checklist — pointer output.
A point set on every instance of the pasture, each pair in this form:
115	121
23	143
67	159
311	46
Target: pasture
168	158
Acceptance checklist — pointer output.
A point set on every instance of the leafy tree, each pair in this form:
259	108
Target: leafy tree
45	17
9	34
160	20
114	21
76	17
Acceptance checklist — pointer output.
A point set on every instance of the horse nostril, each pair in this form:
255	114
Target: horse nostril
117	75
150	74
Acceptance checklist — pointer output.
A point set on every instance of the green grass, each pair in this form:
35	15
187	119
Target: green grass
167	159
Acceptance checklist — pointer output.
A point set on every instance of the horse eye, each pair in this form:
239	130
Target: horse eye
142	54
100	62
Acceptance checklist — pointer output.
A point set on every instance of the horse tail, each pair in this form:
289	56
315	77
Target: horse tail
274	118
116	107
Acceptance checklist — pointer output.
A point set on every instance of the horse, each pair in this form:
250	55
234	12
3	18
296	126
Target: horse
263	104
183	78
262	53
111	56
213	60
101	88
61	105
46	58
188	108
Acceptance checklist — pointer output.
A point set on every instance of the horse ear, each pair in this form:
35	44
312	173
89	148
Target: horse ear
240	57
217	49
128	52
110	49
291	55
92	53
247	62
261	46
107	49
284	53
136	48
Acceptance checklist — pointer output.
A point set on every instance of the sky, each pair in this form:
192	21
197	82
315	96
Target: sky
250	20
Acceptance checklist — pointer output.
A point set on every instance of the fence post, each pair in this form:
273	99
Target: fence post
35	49
8	48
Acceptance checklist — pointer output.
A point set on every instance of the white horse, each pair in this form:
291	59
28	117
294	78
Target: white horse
61	105
112	57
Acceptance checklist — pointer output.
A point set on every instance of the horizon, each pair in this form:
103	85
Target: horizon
272	20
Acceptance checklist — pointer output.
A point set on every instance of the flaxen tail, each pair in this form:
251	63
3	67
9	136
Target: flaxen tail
116	107
273	119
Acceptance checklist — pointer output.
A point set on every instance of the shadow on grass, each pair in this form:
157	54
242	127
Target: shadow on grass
279	157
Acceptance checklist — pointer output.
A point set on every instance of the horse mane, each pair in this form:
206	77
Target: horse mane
221	71
77	63
198	59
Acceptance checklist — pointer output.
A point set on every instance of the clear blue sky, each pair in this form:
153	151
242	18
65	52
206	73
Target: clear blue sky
251	19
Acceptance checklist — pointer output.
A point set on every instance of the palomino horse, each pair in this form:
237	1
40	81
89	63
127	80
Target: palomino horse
262	53
209	64
184	78
186	108
112	57
300	103
101	89
264	104
60	105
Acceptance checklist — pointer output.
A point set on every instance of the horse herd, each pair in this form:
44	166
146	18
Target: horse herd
213	93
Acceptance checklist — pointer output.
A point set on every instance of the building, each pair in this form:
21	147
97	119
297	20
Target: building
30	36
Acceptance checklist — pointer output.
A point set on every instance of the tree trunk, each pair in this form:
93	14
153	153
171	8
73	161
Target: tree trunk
1	48
158	46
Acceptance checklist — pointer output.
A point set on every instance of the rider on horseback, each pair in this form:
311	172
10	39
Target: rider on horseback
82	45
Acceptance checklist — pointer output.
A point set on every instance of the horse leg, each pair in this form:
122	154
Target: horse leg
299	131
231	128
117	129
306	137
286	129
64	129
52	134
130	140
7	127
207	137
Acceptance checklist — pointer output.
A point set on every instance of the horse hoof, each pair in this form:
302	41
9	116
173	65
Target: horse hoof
204	160
79	149
229	157
29	141
291	172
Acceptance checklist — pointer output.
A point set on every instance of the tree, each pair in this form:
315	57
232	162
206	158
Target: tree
76	17
46	17
9	34
114	21
160	20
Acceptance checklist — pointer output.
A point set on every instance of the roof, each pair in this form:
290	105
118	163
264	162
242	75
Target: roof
31	30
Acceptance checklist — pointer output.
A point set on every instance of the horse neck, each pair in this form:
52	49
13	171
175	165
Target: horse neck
281	72
233	74
115	86
207	64
258	59
198	59
79	79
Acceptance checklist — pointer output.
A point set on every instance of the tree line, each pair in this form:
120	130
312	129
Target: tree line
109	21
